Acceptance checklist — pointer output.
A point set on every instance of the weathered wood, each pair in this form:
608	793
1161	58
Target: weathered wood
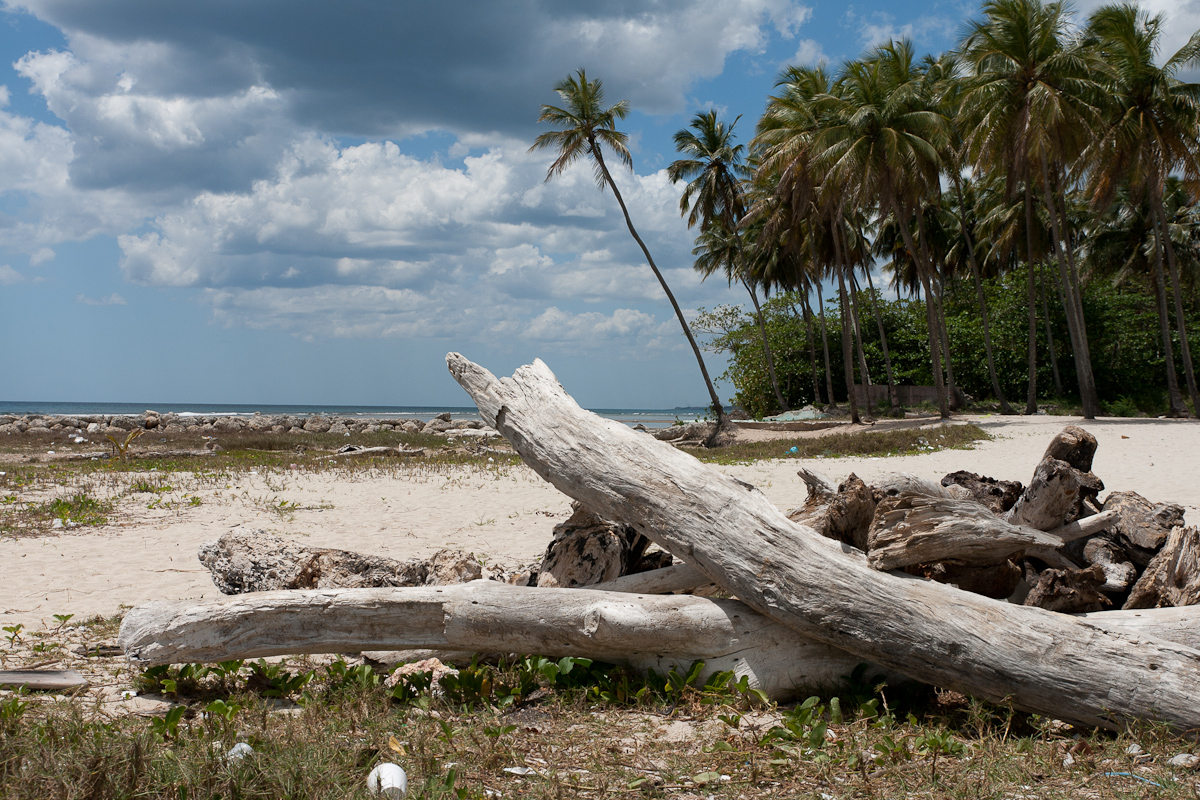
675	578
915	529
43	679
895	483
1054	496
1180	625
999	496
1142	527
1173	577
1069	591
587	550
645	631
1045	662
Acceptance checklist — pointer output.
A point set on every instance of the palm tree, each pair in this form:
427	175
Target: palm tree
715	169
879	144
1029	107
585	127
1151	128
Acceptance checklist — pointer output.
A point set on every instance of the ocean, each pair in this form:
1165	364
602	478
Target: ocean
650	417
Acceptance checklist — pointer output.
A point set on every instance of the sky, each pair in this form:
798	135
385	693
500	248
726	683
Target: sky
260	201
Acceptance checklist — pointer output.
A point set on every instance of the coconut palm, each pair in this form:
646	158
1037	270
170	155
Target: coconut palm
585	127
1029	105
715	169
1150	129
879	145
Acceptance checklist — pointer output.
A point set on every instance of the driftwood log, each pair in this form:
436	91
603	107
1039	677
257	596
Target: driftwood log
43	679
646	632
1041	661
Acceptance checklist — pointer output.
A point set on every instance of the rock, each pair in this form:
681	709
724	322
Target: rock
258	561
438	425
338	428
997	495
587	550
411	427
443	417
124	423
1142	527
452	566
1173	577
150	422
316	425
1069	591
1184	761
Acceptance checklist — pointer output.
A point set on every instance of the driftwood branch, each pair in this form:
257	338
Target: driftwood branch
1041	661
916	529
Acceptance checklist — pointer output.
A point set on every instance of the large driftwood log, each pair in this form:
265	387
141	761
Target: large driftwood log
1173	577
916	529
1054	496
1041	661
647	632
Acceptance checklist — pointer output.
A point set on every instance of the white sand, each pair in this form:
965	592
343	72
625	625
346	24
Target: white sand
151	554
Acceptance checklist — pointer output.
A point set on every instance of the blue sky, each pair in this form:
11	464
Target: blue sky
258	201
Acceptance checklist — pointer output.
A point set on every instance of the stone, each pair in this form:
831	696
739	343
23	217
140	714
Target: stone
443	417
587	550
437	426
259	561
687	431
316	425
1184	761
999	496
338	428
411	427
1142	527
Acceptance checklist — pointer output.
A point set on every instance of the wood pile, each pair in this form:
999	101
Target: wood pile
961	583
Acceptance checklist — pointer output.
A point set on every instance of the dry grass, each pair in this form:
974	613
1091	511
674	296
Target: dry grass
902	442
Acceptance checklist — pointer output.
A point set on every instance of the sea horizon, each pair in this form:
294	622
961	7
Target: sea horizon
424	413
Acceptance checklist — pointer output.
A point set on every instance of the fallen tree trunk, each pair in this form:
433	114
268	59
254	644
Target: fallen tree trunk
646	632
1041	661
675	578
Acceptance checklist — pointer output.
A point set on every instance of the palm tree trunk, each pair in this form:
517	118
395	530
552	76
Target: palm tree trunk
924	268
847	349
893	395
862	358
812	351
1175	406
1005	408
1031	297
718	409
1185	348
825	345
1074	305
1058	386
762	328
943	332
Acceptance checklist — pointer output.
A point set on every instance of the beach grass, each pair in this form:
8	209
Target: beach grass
524	729
877	444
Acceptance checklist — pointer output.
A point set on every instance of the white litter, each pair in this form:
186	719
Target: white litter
239	751
388	780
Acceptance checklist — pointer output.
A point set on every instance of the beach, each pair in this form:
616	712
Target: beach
504	514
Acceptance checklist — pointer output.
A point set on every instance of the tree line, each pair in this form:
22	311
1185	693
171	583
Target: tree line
1062	157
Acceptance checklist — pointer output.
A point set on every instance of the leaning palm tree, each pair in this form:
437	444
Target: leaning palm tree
1151	120
585	127
714	168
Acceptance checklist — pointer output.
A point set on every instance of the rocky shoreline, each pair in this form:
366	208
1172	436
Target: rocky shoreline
122	424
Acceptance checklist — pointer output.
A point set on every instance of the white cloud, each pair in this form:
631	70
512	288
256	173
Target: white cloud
113	299
809	53
9	276
41	256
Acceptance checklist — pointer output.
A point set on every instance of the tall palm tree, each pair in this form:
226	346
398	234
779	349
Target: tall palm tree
1029	103
1151	120
585	127
879	144
714	168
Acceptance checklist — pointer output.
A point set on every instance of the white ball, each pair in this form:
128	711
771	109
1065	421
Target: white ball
388	780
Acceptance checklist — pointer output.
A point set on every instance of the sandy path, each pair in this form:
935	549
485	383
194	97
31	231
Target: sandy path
504	516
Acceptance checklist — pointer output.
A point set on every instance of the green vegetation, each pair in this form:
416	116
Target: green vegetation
869	444
551	728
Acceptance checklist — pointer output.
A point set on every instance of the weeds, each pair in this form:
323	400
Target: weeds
902	442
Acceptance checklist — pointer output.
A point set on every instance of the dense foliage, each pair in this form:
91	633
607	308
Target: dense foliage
1122	327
